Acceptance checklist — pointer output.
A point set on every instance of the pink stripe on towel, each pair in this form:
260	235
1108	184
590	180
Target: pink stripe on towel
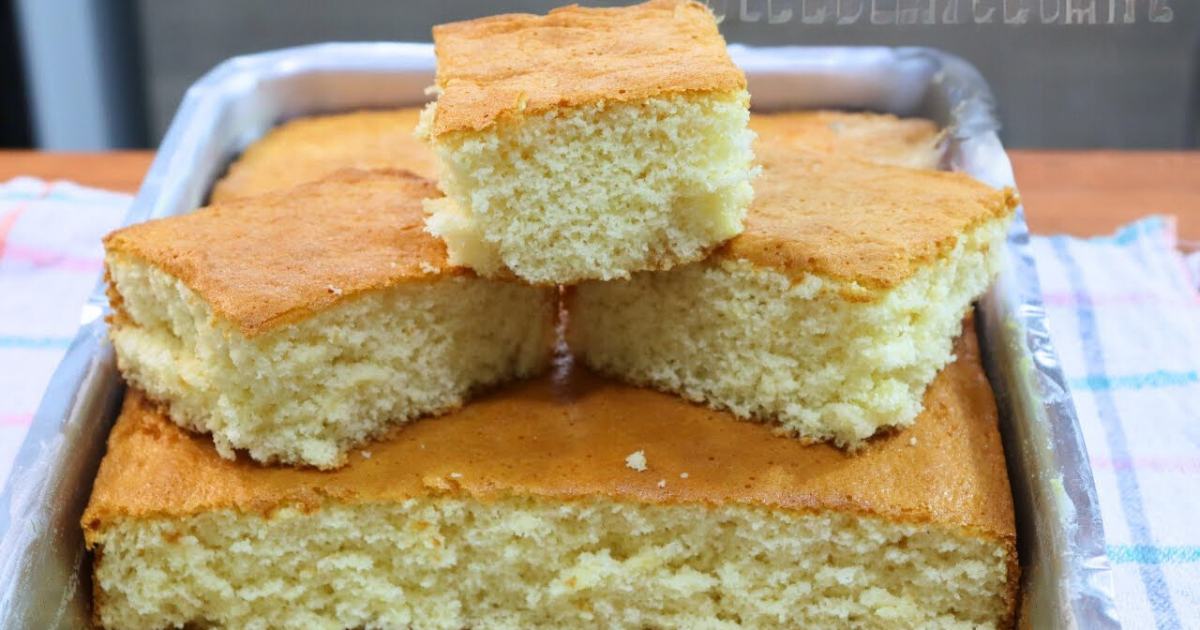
48	259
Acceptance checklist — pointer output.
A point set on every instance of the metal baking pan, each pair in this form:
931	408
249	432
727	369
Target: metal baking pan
44	570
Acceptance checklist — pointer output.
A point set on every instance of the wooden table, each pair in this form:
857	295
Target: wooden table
1083	193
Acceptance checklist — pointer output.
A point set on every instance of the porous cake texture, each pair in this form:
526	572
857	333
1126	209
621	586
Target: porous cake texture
306	149
828	317
588	143
518	511
296	325
881	138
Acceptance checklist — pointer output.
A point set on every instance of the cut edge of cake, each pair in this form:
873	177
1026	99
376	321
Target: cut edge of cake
588	143
307	392
795	354
537	563
916	530
599	191
297	324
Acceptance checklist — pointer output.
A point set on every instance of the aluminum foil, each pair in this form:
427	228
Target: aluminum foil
1066	583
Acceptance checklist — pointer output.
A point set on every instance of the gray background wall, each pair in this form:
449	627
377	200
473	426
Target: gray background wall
1058	85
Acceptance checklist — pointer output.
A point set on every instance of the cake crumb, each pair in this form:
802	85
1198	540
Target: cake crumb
636	461
912	441
456	475
366	454
662	483
428	267
334	290
683	475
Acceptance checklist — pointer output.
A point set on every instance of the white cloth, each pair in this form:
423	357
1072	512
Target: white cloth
50	259
1124	315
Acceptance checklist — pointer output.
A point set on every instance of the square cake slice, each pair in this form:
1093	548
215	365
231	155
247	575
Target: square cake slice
520	511
306	149
588	143
828	316
296	325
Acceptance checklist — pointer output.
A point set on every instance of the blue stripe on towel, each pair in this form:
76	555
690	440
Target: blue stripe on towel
36	343
1132	504
1149	380
1150	554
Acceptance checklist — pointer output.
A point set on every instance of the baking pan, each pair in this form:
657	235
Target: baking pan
1066	583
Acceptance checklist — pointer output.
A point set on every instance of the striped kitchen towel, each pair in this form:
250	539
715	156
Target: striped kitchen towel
50	259
1124	315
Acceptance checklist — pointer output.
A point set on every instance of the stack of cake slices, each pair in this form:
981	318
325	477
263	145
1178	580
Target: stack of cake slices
592	355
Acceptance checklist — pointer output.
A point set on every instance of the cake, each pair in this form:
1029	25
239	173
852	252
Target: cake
296	325
588	143
828	316
882	138
306	149
519	511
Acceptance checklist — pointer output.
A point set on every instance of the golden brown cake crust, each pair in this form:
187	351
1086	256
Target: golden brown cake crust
855	221
264	261
520	63
567	438
307	149
881	138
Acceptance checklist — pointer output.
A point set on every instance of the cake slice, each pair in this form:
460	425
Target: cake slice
296	325
588	143
828	316
306	149
519	511
881	138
